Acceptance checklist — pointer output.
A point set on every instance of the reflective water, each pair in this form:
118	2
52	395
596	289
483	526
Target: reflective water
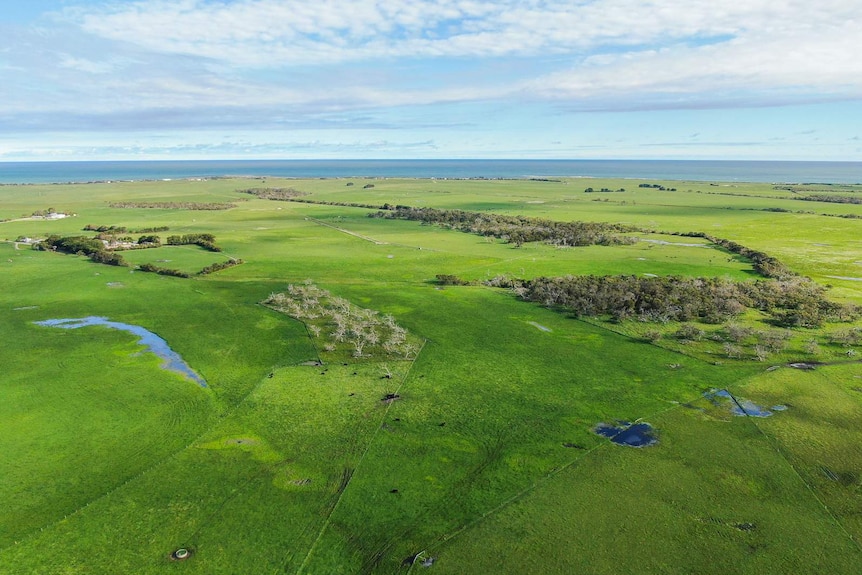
154	343
742	406
624	433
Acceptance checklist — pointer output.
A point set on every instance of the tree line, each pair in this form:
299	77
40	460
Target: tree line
793	302
123	229
515	229
279	194
202	206
212	268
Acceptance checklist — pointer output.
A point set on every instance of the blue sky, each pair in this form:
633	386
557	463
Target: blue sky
675	79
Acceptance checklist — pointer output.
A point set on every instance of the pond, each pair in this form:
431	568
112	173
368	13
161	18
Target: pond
154	344
741	406
625	433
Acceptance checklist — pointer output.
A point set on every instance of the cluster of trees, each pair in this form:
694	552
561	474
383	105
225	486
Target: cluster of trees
206	241
515	229
657	187
335	320
150	240
603	190
94	248
795	302
281	194
203	206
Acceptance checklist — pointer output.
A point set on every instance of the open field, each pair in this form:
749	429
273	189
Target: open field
290	461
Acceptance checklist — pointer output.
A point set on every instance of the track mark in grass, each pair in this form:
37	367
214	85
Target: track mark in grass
345	483
741	406
519	495
539	326
348	232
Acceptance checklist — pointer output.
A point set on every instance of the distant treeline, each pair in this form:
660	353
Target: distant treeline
124	230
795	302
602	190
830	199
174	205
657	187
515	229
280	194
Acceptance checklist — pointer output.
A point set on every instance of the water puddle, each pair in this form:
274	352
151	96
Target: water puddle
154	344
626	433
741	406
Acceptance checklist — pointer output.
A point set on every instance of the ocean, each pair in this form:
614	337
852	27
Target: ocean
695	170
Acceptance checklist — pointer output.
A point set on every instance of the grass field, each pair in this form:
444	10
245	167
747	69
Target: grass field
289	460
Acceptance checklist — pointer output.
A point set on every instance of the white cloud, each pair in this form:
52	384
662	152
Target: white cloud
271	33
603	48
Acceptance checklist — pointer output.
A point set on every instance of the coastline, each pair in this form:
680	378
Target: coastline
730	171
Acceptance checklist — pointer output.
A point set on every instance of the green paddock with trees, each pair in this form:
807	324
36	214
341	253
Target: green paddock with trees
385	392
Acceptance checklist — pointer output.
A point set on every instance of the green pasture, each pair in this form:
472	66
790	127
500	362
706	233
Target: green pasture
186	258
487	460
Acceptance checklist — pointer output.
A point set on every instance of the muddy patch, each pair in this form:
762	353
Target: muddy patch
628	434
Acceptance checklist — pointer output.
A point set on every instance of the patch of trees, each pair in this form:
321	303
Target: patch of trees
94	248
206	241
657	187
515	229
796	302
335	322
200	206
150	240
602	190
281	194
43	213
